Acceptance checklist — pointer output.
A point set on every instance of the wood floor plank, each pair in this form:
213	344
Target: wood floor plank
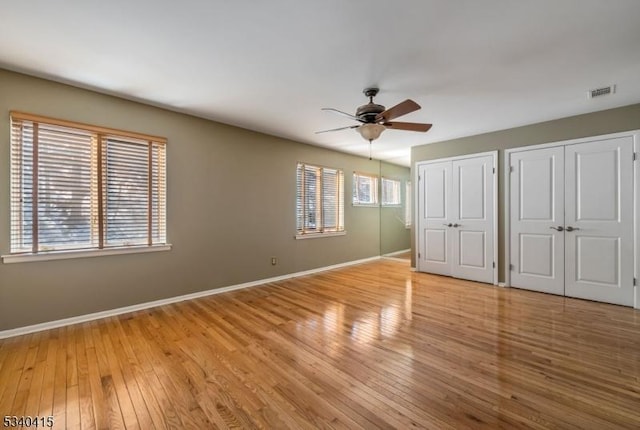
363	347
45	408
24	392
60	387
168	372
93	406
14	360
120	354
158	395
66	402
134	411
5	362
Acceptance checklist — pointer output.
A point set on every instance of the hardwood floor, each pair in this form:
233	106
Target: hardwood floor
369	346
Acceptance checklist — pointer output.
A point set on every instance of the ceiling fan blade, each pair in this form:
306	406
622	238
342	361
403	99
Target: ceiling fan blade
410	126
400	109
339	112
338	129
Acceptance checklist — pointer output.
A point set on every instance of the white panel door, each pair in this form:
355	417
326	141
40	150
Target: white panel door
434	217
537	220
456	217
472	212
599	221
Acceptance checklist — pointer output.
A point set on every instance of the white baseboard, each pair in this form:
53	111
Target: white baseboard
391	254
118	311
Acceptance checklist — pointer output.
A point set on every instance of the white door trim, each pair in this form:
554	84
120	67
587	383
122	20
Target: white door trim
416	180
572	141
635	134
636	214
496	198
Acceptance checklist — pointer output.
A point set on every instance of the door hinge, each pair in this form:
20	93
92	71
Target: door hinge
494	170
494	264
634	282
418	255
511	267
511	169
635	156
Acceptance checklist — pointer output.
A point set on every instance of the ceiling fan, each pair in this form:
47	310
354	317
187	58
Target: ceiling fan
375	118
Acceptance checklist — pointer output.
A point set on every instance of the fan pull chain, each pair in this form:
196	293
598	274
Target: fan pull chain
370	140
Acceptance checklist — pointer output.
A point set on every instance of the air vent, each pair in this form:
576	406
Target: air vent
598	92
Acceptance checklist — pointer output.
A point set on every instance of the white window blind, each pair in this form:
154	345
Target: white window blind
365	189
391	192
319	199
127	192
77	187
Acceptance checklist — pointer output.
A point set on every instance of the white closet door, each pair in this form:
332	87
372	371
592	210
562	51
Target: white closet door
472	211
599	221
434	216
537	220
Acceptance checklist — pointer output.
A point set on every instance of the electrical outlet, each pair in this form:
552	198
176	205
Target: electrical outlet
274	261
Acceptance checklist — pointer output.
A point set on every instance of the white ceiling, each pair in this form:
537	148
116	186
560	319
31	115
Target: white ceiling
474	65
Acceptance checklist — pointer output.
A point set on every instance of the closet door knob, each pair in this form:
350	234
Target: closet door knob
559	228
457	225
447	225
572	228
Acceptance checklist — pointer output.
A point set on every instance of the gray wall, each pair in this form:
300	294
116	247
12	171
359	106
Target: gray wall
592	124
394	236
231	206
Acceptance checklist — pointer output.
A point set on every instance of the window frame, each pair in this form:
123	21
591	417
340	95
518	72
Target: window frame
30	248
398	192
302	231
356	201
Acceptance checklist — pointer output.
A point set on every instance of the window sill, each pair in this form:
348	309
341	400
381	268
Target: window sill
319	235
64	255
366	205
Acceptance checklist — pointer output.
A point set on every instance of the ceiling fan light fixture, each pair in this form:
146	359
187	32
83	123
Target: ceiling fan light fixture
371	131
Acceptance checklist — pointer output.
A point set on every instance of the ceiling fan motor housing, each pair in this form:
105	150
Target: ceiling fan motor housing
368	112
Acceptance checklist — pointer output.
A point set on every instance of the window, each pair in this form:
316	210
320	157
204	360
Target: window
365	189
319	200
79	187
391	192
407	205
